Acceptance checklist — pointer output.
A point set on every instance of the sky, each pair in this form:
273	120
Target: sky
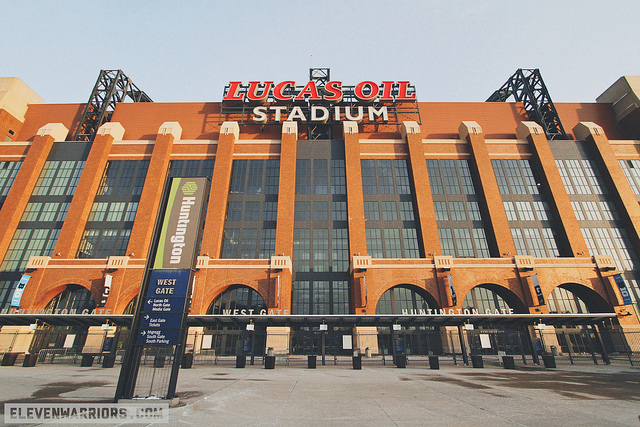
450	50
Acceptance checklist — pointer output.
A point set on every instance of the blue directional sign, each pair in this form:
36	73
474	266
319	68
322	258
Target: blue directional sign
158	336
164	307
161	320
169	283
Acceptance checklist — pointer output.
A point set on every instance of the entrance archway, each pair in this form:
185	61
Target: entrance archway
75	299
227	340
573	298
408	300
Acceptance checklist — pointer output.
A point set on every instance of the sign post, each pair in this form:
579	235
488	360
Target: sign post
165	295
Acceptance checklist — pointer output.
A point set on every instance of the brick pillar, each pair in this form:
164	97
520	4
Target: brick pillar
497	223
552	184
422	188
26	179
151	196
287	189
613	175
74	225
355	199
355	212
286	213
217	207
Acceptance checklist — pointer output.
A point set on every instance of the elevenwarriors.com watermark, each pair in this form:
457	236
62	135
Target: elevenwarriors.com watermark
86	413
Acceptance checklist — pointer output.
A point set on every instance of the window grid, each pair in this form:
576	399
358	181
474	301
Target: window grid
252	210
457	210
389	208
8	173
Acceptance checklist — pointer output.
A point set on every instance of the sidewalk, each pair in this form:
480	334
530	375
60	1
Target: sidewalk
587	395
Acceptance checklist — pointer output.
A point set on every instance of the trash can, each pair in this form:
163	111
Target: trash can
108	360
29	360
508	362
476	361
158	362
357	360
269	362
9	359
401	360
187	360
241	361
554	350
549	361
87	360
434	362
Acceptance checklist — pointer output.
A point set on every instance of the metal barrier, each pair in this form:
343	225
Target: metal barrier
378	346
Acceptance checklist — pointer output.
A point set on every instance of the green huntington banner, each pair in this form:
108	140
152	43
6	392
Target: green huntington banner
177	242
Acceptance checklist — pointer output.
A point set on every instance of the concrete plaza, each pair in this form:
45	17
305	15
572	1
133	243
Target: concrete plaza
576	395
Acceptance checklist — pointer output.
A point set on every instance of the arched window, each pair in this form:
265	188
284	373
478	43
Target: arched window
485	299
237	297
74	297
403	299
131	307
564	301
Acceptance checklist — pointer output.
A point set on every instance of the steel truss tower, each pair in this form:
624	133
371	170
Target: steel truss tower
112	87
321	77
527	86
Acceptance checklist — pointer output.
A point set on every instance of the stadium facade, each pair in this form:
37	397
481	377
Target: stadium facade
327	199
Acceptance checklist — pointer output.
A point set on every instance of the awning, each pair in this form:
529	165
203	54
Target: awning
407	320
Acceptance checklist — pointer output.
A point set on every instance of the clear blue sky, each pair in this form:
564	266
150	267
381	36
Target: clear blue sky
451	50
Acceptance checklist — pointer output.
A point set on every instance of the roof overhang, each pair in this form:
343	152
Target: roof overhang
212	320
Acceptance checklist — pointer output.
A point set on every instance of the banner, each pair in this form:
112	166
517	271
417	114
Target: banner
17	295
105	292
626	298
536	286
454	298
177	243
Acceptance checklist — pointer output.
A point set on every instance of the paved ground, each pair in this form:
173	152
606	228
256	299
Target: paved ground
586	395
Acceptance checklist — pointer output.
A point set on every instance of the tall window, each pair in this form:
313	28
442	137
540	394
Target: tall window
114	209
252	208
320	240
532	225
391	228
461	227
8	172
41	221
603	229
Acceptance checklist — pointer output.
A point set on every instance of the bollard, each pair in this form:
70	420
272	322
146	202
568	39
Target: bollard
477	362
311	362
434	362
87	360
108	360
549	361
9	359
187	360
241	361
508	362
158	362
29	360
